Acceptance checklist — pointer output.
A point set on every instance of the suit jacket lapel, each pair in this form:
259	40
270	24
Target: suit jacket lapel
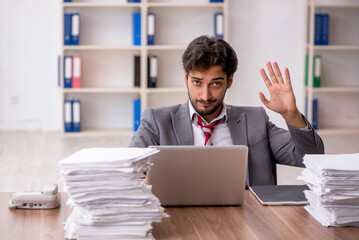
182	125
237	125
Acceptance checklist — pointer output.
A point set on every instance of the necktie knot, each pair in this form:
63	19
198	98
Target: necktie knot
207	129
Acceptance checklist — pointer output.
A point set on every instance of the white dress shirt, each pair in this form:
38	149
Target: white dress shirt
220	135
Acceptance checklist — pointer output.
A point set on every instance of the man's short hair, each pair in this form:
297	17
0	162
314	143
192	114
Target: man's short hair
205	52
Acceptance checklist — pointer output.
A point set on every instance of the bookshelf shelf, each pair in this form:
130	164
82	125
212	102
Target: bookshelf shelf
102	90
338	94
102	47
335	47
189	5
338	89
99	4
110	65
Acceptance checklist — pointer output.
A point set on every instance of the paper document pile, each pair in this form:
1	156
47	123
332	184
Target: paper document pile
334	188
108	200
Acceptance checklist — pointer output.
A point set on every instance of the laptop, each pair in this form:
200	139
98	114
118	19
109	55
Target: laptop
198	176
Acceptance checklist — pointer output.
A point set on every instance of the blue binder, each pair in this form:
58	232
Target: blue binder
67	71
67	0
75	29
137	29
151	28
67	28
136	114
76	115
68	116
133	1
218	25
216	1
315	114
325	29
318	29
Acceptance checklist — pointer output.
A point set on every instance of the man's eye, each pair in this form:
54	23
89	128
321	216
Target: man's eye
196	83
217	84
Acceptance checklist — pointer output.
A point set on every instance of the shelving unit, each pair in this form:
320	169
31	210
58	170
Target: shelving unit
113	87
338	96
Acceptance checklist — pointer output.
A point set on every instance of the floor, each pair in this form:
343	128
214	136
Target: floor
28	160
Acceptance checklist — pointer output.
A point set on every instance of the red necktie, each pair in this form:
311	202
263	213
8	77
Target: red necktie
207	129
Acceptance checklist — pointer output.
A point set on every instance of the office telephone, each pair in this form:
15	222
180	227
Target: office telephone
47	198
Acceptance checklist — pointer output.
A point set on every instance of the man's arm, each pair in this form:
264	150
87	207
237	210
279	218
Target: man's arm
147	134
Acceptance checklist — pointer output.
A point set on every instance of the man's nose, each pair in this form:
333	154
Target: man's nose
206	94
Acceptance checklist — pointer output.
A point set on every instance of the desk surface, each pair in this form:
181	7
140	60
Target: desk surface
249	221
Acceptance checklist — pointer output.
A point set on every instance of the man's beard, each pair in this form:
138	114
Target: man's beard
207	111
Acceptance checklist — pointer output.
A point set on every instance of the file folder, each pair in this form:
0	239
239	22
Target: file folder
318	29
75	30
137	29
325	29
317	70
76	72
136	114
67	71
218	25
152	71
137	71
67	28
315	114
151	28
68	115
76	115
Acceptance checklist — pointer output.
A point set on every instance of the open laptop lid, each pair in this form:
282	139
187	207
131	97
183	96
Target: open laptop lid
192	175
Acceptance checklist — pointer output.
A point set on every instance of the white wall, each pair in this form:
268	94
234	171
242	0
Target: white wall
260	31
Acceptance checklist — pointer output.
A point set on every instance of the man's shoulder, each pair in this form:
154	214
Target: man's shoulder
246	109
165	109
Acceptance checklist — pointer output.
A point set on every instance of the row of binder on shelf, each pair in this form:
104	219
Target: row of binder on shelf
321	32
138	1
151	27
314	111
71	29
317	70
72	71
72	115
152	71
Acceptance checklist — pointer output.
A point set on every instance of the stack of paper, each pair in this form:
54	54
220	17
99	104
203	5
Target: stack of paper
108	200
334	188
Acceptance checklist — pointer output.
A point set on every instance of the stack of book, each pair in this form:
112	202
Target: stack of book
333	181
108	200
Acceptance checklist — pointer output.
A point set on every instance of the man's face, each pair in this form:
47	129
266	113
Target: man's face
206	90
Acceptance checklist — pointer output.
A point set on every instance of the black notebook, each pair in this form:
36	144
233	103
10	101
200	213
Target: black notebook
280	194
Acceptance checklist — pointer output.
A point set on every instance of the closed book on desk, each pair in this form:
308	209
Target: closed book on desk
280	194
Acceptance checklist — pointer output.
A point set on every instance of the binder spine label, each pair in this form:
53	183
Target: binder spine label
75	32
67	71
151	28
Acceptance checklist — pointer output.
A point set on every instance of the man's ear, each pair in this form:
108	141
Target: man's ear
186	78
230	81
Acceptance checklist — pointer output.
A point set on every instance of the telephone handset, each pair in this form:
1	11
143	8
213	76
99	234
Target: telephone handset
48	198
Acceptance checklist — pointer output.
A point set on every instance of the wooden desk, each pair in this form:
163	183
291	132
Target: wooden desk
249	221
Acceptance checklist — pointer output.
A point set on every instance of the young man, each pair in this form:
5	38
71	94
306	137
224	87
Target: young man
209	65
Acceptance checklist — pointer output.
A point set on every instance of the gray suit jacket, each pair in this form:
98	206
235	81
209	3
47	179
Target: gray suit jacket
248	126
